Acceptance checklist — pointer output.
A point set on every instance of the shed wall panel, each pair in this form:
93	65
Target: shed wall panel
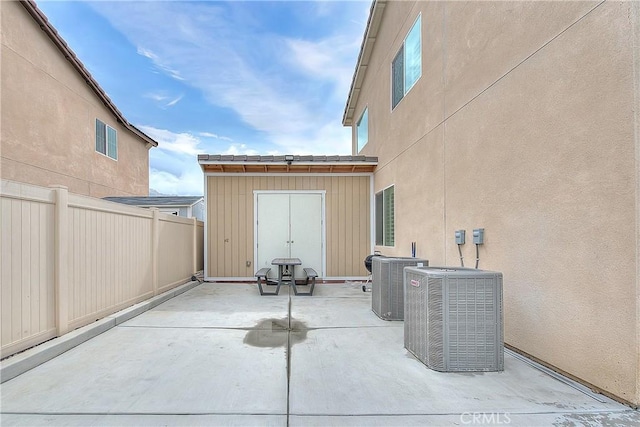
230	216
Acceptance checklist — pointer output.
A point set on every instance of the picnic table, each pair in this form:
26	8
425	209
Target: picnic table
286	269
286	275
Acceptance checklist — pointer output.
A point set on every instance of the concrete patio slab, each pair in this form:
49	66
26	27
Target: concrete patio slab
156	371
352	289
216	305
22	362
124	420
366	371
220	354
590	419
331	312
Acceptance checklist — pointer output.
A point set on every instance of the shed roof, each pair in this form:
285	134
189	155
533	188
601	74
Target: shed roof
157	200
290	163
57	40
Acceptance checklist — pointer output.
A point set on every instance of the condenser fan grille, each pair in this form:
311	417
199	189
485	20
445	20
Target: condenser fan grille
453	318
387	298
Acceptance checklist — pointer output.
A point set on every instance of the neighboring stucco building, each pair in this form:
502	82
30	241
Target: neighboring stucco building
57	125
316	208
184	206
521	118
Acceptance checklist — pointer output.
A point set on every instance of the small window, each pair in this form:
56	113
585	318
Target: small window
385	217
397	75
106	140
406	67
363	129
412	56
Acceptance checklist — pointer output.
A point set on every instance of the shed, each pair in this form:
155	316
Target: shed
316	208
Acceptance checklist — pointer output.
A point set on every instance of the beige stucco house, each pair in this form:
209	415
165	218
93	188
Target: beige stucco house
58	127
315	208
521	118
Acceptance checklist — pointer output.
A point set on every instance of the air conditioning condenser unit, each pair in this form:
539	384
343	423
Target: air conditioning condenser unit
387	289
453	318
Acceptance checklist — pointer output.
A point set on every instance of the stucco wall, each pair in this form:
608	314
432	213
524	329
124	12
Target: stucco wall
48	119
525	123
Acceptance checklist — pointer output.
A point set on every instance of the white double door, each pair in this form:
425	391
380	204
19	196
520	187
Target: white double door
290	225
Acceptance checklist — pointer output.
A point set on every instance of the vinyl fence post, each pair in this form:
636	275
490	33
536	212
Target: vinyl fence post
155	245
61	258
194	267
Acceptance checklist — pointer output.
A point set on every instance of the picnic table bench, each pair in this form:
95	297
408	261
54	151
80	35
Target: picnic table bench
310	273
261	275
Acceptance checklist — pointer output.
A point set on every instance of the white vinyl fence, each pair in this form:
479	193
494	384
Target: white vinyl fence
68	260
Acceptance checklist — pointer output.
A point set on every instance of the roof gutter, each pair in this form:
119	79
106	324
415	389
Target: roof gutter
46	26
370	34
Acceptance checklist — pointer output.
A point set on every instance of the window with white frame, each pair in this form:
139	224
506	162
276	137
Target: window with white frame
385	217
106	140
406	67
362	129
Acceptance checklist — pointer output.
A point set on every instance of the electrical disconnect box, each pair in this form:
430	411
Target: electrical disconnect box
460	237
478	236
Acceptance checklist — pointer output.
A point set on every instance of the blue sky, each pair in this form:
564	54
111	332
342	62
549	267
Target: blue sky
214	77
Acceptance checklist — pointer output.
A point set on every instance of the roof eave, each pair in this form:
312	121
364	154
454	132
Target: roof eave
370	34
288	164
213	162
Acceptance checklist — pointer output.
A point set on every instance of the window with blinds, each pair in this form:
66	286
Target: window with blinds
406	67
397	78
385	217
106	140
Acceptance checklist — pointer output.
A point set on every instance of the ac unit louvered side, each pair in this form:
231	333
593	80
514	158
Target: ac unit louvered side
387	286
453	319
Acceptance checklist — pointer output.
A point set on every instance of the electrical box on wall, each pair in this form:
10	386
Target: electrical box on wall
460	237
478	236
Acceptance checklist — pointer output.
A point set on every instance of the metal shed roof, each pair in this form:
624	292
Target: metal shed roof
219	163
157	200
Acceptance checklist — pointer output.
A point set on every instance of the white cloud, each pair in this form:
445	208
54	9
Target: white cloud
163	99
182	143
175	101
189	183
158	63
174	167
237	149
330	59
214	135
147	53
327	139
